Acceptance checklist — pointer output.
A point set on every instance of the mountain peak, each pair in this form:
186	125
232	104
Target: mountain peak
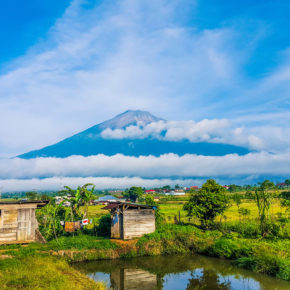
129	117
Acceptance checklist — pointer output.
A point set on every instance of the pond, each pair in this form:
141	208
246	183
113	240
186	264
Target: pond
176	272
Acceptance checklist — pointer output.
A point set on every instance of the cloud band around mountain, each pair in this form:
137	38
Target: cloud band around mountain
165	166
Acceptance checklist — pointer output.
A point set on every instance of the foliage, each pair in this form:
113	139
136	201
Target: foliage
31	195
244	211
159	218
134	193
249	195
208	203
263	201
237	198
104	228
285	200
49	218
77	198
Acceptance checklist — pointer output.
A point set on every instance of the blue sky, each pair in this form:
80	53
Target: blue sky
68	65
25	23
180	60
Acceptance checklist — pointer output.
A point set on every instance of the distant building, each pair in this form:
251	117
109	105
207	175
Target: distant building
107	199
64	199
194	187
131	220
18	223
149	191
116	191
175	193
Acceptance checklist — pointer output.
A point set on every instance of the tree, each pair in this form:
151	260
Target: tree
287	183
285	200
31	195
79	197
208	203
266	185
263	201
135	192
49	218
86	196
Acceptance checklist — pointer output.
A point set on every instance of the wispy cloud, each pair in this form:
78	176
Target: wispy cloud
106	57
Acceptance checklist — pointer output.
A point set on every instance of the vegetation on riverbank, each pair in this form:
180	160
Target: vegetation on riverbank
267	256
25	270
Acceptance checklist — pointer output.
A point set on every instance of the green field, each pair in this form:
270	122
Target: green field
171	209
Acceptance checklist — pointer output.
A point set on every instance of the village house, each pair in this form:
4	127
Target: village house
130	220
18	223
64	199
107	199
175	193
149	191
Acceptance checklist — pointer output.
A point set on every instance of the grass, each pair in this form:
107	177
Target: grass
171	209
43	272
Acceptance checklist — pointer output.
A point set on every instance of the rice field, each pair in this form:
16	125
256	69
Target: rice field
173	209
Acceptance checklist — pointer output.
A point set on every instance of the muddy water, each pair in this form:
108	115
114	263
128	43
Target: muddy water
176	272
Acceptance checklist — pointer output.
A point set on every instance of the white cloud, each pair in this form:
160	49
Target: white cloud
165	166
266	138
57	183
121	171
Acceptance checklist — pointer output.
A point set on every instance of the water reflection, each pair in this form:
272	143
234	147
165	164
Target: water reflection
176	272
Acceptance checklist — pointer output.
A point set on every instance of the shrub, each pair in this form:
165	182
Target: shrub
246	263
104	228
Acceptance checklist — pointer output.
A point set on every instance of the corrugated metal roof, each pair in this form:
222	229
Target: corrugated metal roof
113	205
40	203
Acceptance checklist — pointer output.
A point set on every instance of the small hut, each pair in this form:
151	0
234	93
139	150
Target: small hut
131	220
17	221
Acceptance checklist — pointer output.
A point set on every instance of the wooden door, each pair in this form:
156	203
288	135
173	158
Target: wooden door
8	225
26	224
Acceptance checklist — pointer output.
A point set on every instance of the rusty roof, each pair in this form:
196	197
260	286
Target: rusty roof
40	203
116	204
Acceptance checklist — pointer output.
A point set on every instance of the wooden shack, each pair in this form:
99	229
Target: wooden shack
17	221
131	220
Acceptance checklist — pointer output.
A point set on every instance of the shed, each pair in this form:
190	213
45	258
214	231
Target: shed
18	223
131	220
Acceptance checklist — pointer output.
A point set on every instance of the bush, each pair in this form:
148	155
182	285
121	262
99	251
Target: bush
246	263
104	228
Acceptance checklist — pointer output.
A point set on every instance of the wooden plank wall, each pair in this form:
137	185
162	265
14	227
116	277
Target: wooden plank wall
115	225
17	223
137	222
8	225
